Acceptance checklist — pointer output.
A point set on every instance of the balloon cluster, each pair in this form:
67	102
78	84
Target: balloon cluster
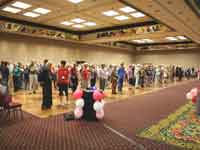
99	104
78	111
192	95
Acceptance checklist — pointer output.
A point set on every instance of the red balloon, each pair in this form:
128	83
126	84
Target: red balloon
104	95
194	99
77	94
97	96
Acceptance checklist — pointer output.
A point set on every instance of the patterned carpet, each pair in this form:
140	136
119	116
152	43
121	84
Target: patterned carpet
126	117
181	128
56	134
140	112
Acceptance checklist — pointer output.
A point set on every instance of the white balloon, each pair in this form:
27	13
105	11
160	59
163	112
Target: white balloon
78	113
97	106
80	103
189	96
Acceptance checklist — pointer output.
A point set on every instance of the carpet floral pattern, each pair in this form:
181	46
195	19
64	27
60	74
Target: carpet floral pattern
181	129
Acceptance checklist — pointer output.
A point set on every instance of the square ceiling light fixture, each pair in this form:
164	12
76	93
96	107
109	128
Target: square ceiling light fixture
78	26
148	41
182	37
31	14
75	1
127	9
21	5
170	38
42	11
110	13
11	9
67	23
138	15
90	23
121	18
138	41
143	41
78	20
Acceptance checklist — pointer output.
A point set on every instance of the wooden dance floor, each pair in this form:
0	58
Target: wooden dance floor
32	102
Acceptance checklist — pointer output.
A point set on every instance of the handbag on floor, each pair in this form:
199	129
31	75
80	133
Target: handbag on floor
69	116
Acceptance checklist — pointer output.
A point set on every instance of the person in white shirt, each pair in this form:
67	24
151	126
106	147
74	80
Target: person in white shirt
33	80
137	75
10	78
103	76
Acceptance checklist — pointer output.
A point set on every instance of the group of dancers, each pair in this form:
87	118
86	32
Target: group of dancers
66	76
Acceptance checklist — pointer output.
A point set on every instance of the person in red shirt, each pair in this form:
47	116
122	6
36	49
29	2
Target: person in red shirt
63	81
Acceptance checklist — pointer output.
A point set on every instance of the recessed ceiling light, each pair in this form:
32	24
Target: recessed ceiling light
67	23
78	20
90	23
121	18
143	41
110	13
22	5
138	41
138	15
182	37
75	1
127	9
171	38
148	40
78	26
31	14
11	9
42	11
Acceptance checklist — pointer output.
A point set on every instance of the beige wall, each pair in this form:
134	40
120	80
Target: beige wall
24	49
184	58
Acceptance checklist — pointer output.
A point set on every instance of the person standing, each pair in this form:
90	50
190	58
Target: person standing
158	74
26	78
198	74
5	72
179	73
10	79
85	76
93	76
102	77
130	76
63	81
74	78
17	77
114	80
33	78
142	76
121	74
137	75
46	84
54	75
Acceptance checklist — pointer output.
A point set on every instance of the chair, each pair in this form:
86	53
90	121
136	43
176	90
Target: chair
10	107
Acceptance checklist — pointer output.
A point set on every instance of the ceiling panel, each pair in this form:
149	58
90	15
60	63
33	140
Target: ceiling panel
63	10
172	13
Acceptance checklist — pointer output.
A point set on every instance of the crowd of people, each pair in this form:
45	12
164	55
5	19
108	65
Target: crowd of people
66	76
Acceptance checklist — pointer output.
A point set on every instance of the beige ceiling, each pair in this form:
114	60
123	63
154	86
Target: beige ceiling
173	13
63	10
